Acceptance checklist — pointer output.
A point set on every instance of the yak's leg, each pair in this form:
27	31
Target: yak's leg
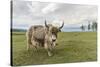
48	50
28	43
35	44
28	36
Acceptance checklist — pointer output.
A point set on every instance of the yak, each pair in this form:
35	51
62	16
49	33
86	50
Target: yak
44	36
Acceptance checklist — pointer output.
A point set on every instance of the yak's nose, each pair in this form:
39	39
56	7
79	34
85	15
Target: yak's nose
53	40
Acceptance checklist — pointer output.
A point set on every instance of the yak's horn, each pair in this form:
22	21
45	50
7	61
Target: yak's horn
61	25
46	23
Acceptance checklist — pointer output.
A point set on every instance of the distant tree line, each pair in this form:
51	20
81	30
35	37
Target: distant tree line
92	27
18	30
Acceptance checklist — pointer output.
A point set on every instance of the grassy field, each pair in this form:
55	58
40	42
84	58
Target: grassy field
73	47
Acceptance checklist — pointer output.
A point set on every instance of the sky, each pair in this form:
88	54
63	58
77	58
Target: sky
28	13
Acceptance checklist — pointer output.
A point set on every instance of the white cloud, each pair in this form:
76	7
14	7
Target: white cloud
50	8
33	7
31	13
57	23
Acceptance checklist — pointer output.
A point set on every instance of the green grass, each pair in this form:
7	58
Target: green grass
73	47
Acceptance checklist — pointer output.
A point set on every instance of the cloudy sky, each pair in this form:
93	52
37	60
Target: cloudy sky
27	13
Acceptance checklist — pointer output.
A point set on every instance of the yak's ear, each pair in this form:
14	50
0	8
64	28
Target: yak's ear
59	30
46	24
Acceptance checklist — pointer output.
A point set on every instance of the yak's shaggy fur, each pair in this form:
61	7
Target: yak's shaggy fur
44	36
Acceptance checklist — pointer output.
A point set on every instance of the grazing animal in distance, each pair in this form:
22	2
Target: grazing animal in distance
44	36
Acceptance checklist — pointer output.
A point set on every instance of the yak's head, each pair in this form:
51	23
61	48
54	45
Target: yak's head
52	31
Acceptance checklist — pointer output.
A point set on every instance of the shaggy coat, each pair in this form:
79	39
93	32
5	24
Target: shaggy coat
44	36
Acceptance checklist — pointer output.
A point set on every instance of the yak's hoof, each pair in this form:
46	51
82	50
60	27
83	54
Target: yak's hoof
50	54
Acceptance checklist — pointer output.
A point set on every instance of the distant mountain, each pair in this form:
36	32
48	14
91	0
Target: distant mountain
18	30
